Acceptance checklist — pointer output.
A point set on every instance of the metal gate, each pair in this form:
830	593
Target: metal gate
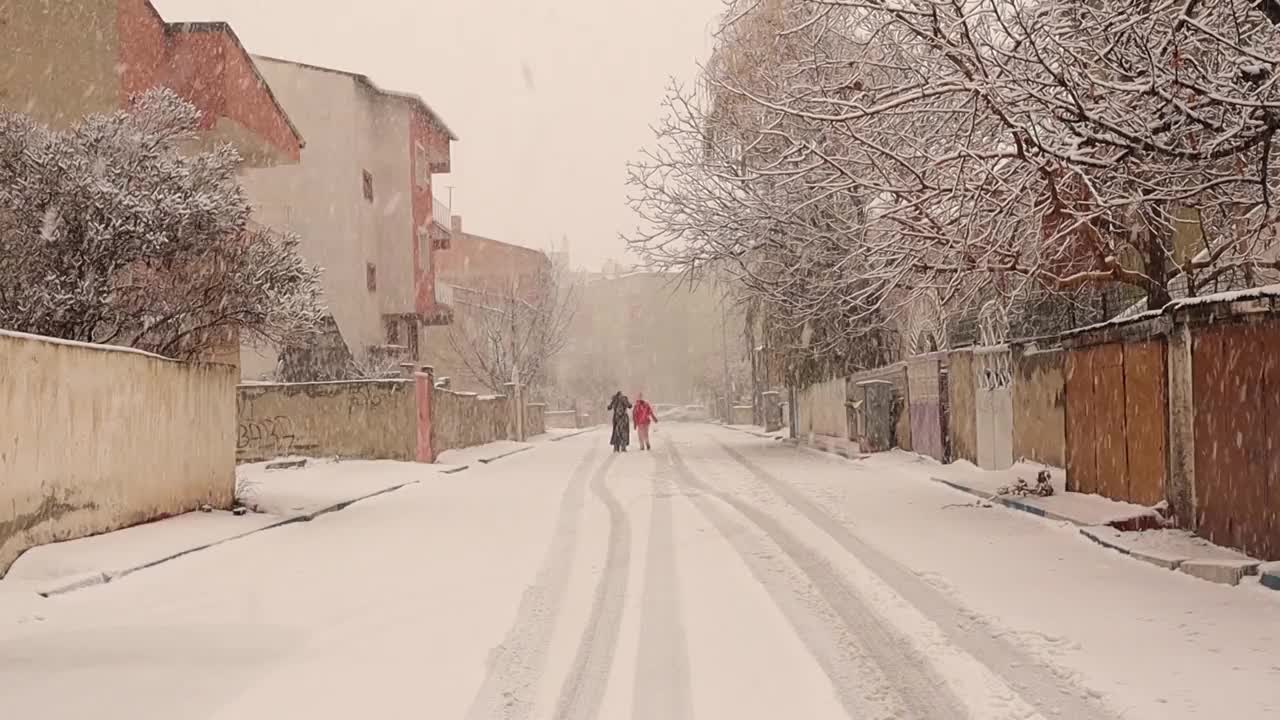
1236	391
1115	421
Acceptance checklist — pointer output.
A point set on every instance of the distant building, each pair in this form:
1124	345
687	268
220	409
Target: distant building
361	201
474	273
640	331
65	60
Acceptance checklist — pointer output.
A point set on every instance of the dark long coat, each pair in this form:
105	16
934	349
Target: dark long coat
619	404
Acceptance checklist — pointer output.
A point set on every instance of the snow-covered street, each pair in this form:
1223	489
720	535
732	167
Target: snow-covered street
720	576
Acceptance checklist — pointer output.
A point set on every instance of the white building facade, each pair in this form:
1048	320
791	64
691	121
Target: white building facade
361	202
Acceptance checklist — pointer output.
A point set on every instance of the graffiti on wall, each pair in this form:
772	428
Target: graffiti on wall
269	436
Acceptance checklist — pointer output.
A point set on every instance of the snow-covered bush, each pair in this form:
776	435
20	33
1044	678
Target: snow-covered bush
116	231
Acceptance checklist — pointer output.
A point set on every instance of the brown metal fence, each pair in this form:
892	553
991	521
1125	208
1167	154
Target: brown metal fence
1115	421
1236	390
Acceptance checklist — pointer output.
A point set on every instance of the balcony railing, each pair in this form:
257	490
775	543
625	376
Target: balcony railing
440	213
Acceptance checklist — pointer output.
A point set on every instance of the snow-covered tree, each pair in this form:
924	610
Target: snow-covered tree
113	231
848	157
517	329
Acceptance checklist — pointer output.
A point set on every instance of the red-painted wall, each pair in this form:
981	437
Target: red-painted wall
142	47
205	65
488	265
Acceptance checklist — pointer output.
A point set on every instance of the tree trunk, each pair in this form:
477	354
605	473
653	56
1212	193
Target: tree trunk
1156	267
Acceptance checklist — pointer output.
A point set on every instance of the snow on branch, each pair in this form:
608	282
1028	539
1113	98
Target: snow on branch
843	158
110	233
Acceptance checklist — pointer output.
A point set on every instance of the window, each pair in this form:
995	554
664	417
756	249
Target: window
371	276
368	186
422	166
411	328
393	330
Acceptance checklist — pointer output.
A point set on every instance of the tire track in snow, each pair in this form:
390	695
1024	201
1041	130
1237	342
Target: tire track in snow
516	666
1038	684
662	687
873	672
583	690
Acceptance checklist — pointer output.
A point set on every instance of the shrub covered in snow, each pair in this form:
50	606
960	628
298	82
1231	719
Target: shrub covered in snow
113	231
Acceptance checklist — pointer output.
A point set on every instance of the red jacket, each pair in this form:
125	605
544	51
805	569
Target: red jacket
643	413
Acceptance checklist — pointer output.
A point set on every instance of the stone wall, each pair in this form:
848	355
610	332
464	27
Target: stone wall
370	419
1039	417
461	419
100	438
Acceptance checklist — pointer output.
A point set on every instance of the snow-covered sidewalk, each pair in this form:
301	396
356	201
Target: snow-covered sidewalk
1076	508
273	494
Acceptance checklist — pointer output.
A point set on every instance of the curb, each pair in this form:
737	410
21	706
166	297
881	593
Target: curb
583	431
495	458
766	436
102	578
1010	503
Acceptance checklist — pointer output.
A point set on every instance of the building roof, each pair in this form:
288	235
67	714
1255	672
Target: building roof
368	82
225	29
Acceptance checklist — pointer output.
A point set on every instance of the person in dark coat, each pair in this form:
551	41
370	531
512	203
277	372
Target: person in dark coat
619	405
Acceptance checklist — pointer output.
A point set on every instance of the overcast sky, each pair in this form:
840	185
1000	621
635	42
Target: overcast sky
549	98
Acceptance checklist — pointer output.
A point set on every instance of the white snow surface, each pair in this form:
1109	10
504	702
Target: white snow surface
720	576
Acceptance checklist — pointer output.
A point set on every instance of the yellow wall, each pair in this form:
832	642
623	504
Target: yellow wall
962	421
370	419
95	438
1039	416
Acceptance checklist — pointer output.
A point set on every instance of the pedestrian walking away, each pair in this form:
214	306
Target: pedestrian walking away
643	416
621	438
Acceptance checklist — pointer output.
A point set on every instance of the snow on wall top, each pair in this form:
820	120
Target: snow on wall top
85	345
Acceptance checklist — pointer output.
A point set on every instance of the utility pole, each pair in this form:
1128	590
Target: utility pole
724	352
517	390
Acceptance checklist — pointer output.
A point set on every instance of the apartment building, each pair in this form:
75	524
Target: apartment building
65	60
361	201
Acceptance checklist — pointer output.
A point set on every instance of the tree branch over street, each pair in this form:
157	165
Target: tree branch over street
843	157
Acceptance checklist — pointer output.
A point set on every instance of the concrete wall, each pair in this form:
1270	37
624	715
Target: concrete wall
962	422
742	415
60	59
561	419
535	419
461	419
1039	408
823	410
100	438
371	419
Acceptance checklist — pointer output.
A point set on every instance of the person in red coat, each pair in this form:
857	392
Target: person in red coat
643	415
